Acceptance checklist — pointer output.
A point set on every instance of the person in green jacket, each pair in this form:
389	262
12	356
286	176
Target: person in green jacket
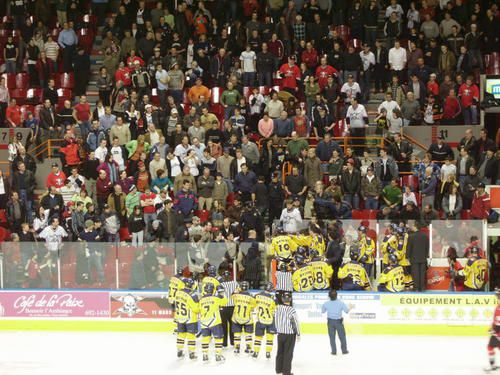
132	199
311	90
229	99
296	145
392	194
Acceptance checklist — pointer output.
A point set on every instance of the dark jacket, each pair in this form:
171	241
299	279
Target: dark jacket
324	150
245	182
418	247
351	182
29	182
440	154
46	120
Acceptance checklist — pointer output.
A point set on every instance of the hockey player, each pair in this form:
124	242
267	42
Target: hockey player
186	316
322	271
211	324
265	307
495	333
402	237
244	303
302	277
212	278
352	274
392	278
317	242
176	284
367	249
282	247
475	271
389	242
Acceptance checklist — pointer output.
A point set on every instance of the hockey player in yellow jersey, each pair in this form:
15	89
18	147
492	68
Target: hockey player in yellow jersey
475	272
352	274
211	278
401	254
186	316
282	247
317	242
390	241
265	307
302	277
322	271
211	302
244	304
367	250
176	283
392	278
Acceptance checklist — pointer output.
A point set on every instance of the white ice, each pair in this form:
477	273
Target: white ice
103	353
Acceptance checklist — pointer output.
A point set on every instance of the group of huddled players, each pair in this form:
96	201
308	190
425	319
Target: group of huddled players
198	313
307	261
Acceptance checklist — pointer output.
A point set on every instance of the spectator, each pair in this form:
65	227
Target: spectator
392	195
371	188
452	203
481	205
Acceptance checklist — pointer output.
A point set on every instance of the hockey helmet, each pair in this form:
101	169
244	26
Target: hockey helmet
209	289
244	286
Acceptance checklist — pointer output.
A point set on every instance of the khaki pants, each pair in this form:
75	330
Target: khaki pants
61	17
204	202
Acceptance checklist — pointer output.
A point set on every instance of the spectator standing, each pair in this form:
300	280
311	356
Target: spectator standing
418	253
68	41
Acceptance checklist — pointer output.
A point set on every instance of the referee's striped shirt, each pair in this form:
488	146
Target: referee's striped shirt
286	320
229	288
284	281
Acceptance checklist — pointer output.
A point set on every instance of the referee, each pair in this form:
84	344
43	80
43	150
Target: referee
283	279
287	326
226	312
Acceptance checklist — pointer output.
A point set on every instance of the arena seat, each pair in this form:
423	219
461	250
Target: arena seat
357	44
19	95
410	180
215	94
125	234
64	94
10	80
22	80
344	32
25	109
465	215
364	214
86	39
34	96
65	80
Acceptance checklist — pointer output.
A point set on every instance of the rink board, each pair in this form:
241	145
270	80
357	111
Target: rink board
372	313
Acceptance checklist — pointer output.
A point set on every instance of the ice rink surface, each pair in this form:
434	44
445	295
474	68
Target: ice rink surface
105	353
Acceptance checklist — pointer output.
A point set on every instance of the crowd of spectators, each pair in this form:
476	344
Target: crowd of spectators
189	137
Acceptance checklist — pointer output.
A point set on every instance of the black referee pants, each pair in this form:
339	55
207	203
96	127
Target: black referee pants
286	345
226	314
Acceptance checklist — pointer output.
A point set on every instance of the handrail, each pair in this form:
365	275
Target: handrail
415	142
45	147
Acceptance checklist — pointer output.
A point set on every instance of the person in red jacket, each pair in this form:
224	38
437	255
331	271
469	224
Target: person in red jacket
290	74
323	71
13	114
56	177
481	204
124	75
495	335
474	243
451	109
71	153
310	56
103	188
469	97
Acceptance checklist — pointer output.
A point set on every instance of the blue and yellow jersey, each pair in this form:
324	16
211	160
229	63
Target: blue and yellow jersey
265	307
282	247
389	241
244	303
393	278
322	273
210	280
210	310
303	279
301	240
401	250
318	243
367	248
186	307
175	285
355	273
475	272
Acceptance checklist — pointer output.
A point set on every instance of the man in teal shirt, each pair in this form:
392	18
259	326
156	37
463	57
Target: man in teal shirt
334	309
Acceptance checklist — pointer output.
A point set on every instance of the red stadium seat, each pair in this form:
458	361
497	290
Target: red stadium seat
360	214
418	197
22	80
155	99
215	94
10	80
247	92
264	90
124	234
34	96
410	180
65	81
86	39
24	111
37	110
356	43
64	94
19	95
495	60
203	215
465	215
344	32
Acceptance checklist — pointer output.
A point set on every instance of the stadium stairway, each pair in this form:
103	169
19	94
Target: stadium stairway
96	59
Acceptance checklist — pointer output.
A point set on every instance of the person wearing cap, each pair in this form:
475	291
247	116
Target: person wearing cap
132	199
481	204
290	74
56	177
176	82
141	80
